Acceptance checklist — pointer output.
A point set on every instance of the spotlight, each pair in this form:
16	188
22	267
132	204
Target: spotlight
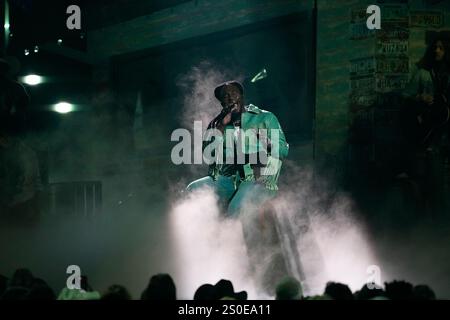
63	107
60	41
7	26
26	52
32	79
36	49
261	75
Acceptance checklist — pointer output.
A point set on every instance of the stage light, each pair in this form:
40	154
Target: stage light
60	41
6	24
32	79
26	52
63	107
36	49
261	75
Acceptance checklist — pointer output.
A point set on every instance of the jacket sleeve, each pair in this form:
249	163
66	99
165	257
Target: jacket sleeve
279	145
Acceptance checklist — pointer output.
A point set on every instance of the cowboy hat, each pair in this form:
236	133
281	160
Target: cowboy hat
224	288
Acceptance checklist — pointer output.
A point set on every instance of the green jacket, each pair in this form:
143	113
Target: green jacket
419	83
256	118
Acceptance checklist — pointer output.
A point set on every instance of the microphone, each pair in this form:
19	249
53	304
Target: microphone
226	110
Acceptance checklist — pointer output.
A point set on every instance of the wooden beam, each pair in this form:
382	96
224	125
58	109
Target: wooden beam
70	53
187	20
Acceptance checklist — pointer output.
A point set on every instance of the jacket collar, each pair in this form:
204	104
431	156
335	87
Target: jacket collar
252	108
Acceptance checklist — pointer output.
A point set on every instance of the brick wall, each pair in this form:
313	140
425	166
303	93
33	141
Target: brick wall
337	46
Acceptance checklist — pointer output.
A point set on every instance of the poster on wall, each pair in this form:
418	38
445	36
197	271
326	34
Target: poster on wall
363	84
394	13
392	47
389	82
360	101
390	65
394	31
426	19
362	66
360	31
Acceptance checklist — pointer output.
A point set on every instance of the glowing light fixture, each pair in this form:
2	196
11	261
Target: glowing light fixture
63	107
6	24
32	79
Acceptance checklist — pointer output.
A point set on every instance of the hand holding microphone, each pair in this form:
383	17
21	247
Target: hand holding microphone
224	117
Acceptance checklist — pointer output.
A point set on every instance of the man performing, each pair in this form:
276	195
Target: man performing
246	178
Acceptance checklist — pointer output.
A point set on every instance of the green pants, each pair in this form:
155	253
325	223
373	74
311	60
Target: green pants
250	203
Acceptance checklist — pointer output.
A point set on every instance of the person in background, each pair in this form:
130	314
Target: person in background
116	292
20	180
84	293
160	287
426	116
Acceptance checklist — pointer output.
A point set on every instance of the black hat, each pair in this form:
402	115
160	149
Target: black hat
224	288
218	89
206	292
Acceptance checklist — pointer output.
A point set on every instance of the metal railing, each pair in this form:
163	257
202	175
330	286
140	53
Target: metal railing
78	198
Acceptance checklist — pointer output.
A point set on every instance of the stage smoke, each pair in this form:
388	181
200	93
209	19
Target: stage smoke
323	239
198	85
207	247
